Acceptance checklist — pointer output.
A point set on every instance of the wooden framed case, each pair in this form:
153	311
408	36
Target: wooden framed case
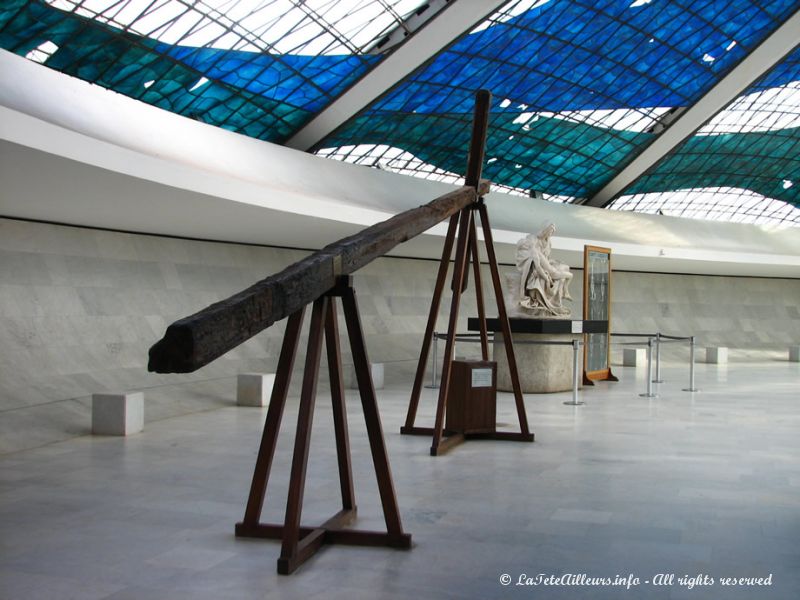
597	307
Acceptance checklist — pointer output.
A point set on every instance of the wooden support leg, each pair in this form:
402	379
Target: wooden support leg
300	543
506	328
339	408
391	513
266	451
292	552
459	269
426	340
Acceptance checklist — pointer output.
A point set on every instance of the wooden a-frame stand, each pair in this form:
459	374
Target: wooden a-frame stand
300	543
466	251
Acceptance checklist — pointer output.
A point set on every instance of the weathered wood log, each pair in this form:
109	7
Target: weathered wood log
195	341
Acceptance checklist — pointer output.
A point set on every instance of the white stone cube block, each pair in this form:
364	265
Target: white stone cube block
117	414
717	355
377	376
794	353
254	389
634	357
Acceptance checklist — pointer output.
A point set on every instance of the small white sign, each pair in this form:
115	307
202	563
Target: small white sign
577	327
481	378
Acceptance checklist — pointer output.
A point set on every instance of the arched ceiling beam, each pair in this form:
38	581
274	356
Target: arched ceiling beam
769	53
458	17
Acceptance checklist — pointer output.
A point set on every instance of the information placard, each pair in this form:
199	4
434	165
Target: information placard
481	378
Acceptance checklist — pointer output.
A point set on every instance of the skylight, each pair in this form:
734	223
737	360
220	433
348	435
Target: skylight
580	88
716	204
311	27
262	68
396	160
765	110
42	52
751	148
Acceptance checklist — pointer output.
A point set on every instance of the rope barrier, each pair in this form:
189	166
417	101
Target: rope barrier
654	340
475	337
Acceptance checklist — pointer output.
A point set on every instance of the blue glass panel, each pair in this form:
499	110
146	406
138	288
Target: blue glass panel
543	160
564	56
734	156
784	72
307	82
759	162
263	95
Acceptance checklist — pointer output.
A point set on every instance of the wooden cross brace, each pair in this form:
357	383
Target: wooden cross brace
466	252
300	543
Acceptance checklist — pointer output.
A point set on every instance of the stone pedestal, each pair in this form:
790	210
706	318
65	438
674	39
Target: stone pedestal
117	414
717	355
634	357
543	368
254	389
376	369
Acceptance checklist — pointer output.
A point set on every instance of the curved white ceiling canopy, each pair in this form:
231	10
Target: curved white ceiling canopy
78	154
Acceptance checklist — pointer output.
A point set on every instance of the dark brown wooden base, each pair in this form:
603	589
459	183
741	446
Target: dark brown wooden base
300	543
453	438
313	538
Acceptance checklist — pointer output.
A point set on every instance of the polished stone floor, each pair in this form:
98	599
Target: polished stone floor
687	484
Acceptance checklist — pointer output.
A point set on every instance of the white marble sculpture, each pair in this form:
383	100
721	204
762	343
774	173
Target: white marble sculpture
542	282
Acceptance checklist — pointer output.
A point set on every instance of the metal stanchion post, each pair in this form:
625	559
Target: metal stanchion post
691	387
658	359
576	344
649	393
434	384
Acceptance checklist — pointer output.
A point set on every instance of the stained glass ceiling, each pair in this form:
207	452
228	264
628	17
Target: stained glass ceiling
258	67
748	156
580	87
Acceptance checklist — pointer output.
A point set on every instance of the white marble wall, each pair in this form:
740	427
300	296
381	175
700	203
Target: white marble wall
740	312
79	309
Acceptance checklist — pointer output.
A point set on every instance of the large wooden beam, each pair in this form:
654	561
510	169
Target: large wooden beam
195	341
